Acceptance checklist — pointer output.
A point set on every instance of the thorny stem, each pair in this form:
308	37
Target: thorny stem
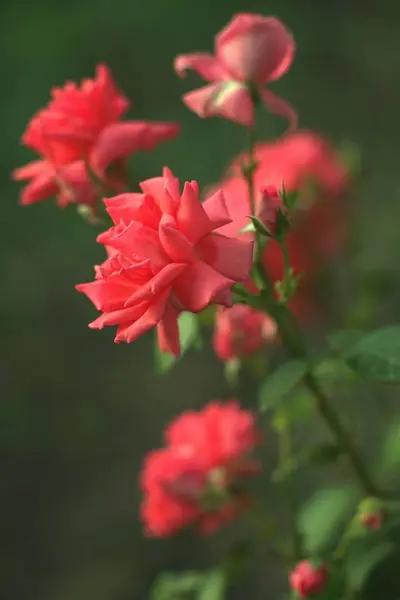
293	340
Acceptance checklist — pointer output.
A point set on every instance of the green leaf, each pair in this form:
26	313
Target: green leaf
190	585
333	370
259	226
188	336
180	586
296	409
322	454
323	515
363	559
376	357
390	451
343	341
280	383
213	586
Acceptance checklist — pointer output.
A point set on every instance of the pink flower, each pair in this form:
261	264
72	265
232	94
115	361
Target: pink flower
83	124
241	331
308	580
70	183
190	480
269	206
168	259
250	51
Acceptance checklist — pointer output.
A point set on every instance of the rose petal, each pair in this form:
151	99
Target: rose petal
128	333
197	286
119	140
230	100
116	317
191	217
229	256
168	331
130	207
280	107
139	240
156	284
216	209
40	188
32	169
162	189
204	64
174	243
255	48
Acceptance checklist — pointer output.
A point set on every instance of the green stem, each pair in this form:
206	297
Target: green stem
285	460
249	170
293	340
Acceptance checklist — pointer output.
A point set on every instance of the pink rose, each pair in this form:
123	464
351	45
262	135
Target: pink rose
206	455
250	51
168	259
83	124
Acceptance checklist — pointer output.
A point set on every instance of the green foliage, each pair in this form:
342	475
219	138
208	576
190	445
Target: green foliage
191	585
171	586
323	515
282	381
259	227
389	460
322	454
364	556
189	336
333	370
376	356
342	341
295	408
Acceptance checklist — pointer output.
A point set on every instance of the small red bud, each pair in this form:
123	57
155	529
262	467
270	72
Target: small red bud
307	580
372	520
269	205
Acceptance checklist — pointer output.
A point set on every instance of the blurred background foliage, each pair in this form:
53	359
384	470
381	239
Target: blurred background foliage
78	413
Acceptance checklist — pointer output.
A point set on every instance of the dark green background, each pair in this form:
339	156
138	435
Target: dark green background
78	413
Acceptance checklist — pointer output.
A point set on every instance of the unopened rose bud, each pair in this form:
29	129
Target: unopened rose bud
269	206
240	331
372	520
307	580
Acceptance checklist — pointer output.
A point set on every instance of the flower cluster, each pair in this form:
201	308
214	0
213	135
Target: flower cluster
194	478
81	130
168	252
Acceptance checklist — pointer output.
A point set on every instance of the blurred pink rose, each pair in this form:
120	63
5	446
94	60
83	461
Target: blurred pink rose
250	51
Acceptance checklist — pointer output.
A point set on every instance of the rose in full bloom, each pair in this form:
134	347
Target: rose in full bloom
318	224
240	331
250	51
82	126
194	478
167	258
308	580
